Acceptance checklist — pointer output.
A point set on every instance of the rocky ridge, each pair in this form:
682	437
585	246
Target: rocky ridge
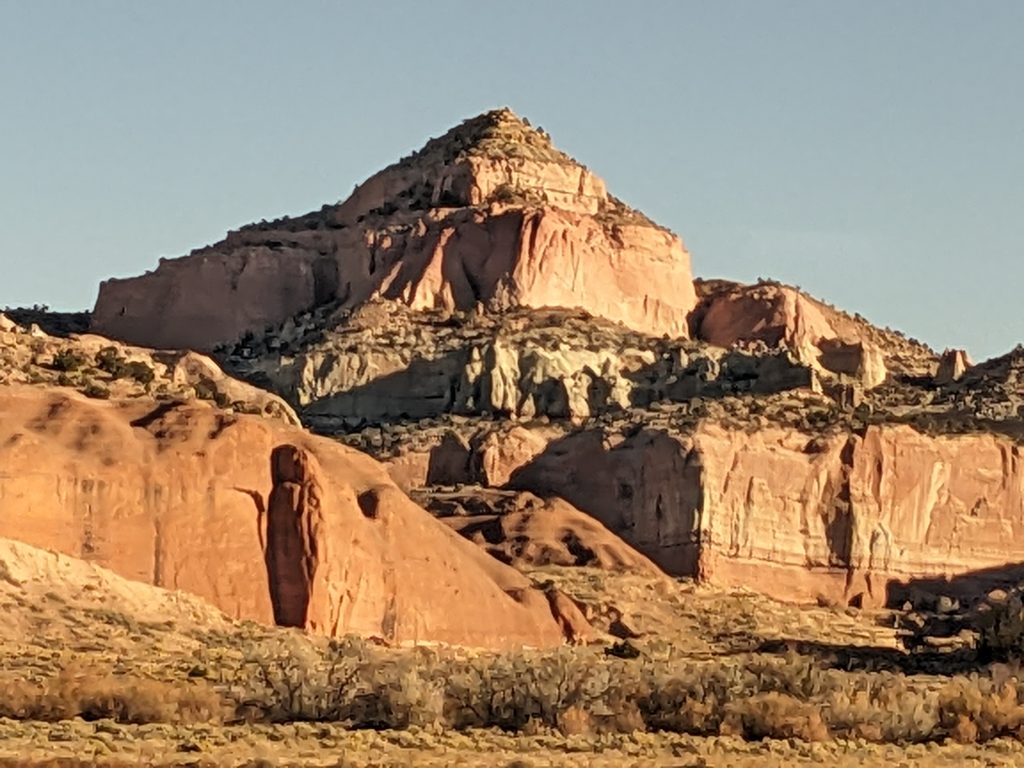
488	213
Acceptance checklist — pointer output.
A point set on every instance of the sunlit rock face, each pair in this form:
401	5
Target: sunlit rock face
490	213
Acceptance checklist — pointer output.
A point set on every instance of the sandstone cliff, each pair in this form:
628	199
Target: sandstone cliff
252	515
844	516
731	314
490	212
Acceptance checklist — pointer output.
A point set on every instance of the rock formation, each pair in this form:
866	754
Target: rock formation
490	212
841	516
952	366
56	589
171	494
526	531
828	339
103	369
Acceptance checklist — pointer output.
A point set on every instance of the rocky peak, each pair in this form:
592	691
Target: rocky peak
497	134
489	213
496	159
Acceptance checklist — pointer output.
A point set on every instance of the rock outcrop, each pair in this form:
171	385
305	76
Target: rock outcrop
103	369
819	335
952	366
849	517
523	530
174	493
56	589
488	213
386	364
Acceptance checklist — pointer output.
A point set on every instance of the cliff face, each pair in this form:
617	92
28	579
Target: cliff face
820	335
185	496
491	212
841	516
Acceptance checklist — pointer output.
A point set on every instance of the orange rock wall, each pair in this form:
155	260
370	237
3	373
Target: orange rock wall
176	496
799	517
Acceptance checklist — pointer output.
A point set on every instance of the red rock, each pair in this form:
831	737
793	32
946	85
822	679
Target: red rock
526	531
840	517
832	341
952	366
489	213
173	495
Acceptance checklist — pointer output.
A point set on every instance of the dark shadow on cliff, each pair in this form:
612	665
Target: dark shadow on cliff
867	658
644	488
438	386
968	589
426	388
53	323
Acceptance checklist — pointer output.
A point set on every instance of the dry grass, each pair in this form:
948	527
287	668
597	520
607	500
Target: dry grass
93	693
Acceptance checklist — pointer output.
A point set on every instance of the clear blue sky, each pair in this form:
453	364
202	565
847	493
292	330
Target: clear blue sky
870	152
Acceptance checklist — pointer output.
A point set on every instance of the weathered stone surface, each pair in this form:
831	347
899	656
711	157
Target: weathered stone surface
174	494
490	212
523	530
386	364
820	335
103	369
952	366
54	589
844	516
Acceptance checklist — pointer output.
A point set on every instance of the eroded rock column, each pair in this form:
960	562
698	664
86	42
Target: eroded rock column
295	534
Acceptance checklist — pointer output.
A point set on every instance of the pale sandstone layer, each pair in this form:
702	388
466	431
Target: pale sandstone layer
183	496
838	516
385	364
490	212
33	577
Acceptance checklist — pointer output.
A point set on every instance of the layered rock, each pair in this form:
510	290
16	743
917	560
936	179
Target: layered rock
526	531
828	339
384	364
843	516
176	493
490	212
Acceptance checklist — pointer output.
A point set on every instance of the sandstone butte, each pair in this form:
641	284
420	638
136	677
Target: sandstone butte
260	518
847	517
489	213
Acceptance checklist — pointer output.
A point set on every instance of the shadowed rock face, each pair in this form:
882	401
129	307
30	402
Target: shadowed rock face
491	212
795	515
295	534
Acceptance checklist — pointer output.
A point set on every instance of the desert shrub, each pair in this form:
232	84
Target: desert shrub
95	693
68	360
141	372
111	361
774	716
96	391
285	679
206	389
881	707
981	708
1001	628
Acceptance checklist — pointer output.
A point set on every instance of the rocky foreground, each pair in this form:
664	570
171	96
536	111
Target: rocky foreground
99	670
